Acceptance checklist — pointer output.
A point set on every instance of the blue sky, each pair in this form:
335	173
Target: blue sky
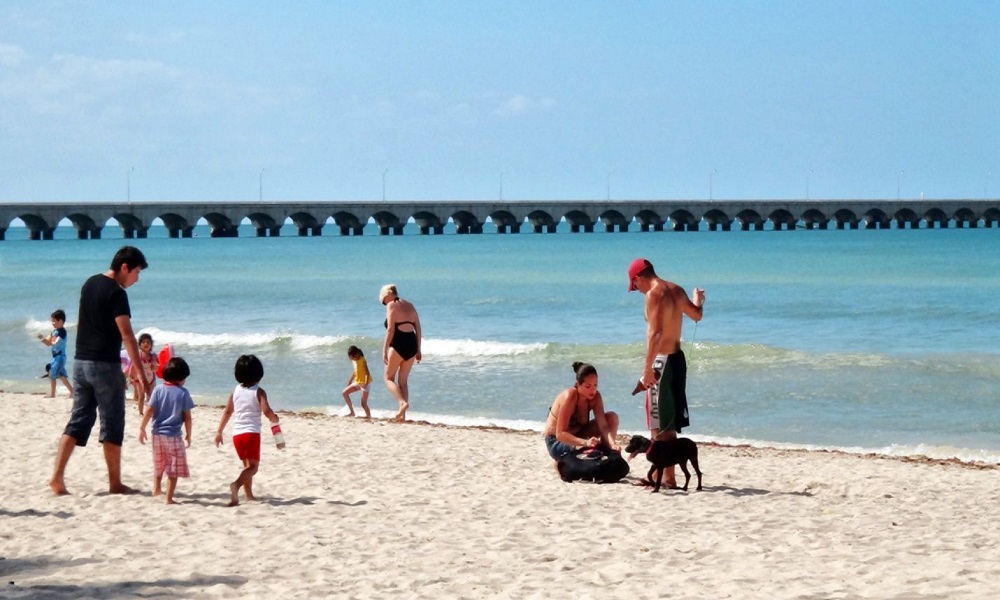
187	100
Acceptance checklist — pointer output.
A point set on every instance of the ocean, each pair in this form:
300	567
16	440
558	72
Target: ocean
865	341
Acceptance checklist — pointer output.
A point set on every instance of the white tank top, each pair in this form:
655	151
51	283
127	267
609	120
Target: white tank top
246	410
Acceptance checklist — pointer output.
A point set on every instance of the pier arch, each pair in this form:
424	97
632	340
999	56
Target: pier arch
876	219
965	217
305	223
542	222
132	226
428	222
612	219
906	216
991	216
936	216
845	219
684	221
38	228
649	219
85	225
466	222
505	221
220	225
348	223
577	220
781	219
716	219
264	224
815	219
750	219
177	226
388	223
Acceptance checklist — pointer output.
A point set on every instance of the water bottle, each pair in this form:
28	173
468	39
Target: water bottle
279	440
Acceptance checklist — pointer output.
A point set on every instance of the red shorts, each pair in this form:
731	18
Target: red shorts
169	457
247	446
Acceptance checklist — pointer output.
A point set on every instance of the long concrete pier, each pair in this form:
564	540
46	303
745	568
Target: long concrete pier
389	218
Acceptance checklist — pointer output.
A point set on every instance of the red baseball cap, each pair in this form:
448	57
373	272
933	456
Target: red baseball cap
638	266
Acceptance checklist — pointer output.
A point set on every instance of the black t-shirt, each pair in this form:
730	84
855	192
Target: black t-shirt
102	300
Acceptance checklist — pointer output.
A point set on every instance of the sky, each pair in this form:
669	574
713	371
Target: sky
498	100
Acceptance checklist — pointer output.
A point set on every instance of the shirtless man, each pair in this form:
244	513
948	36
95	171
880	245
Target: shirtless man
664	371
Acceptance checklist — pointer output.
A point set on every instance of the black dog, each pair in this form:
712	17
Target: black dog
666	453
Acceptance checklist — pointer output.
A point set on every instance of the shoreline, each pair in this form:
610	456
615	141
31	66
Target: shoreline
361	509
702	440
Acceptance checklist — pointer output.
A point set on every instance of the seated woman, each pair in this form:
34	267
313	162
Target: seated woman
569	425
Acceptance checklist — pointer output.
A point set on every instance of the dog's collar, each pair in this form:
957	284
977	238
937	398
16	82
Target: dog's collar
650	448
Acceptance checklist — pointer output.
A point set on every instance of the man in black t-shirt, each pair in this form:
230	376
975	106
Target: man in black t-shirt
105	321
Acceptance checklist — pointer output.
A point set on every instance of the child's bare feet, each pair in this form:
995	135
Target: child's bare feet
121	488
170	501
234	492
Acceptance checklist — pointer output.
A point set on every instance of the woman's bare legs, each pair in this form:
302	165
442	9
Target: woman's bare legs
397	373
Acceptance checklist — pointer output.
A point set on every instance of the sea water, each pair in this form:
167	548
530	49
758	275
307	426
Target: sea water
882	341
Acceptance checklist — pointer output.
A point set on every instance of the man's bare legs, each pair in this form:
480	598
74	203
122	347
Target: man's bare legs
112	457
66	446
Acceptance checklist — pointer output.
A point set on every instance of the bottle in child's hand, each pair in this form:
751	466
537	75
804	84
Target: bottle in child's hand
279	440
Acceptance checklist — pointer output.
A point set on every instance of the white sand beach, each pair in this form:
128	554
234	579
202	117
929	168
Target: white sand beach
355	509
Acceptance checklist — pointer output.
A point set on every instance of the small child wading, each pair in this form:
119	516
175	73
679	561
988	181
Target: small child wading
57	342
246	404
147	368
359	381
169	407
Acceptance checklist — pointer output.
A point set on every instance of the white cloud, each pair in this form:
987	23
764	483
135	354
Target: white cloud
11	56
69	83
519	104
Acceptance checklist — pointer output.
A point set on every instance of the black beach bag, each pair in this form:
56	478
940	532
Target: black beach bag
599	465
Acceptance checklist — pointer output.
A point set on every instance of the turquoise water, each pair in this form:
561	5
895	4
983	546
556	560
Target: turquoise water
864	340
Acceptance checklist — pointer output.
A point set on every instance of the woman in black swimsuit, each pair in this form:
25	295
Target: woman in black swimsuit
401	347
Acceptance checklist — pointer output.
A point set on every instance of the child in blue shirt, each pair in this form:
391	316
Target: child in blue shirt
169	407
57	342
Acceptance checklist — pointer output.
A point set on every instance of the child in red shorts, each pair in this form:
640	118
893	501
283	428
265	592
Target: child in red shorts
246	404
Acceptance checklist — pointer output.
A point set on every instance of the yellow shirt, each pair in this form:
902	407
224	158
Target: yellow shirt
361	374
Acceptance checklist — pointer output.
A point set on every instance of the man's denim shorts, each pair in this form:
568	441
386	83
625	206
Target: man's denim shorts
97	386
